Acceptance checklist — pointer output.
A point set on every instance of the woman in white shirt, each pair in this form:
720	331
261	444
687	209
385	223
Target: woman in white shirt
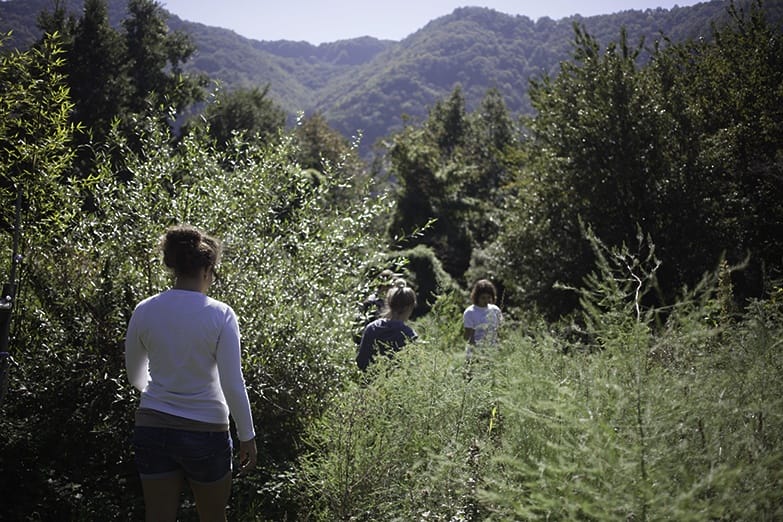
482	318
182	352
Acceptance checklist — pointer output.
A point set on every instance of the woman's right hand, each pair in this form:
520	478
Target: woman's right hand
248	455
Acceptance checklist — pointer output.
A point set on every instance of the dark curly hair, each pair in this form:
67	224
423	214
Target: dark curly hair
187	250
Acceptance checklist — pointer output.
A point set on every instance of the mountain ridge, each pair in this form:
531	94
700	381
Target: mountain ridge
371	85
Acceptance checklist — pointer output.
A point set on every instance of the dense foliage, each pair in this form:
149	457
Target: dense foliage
243	113
83	272
687	147
640	209
633	420
452	168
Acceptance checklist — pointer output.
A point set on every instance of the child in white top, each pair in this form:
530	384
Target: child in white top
482	318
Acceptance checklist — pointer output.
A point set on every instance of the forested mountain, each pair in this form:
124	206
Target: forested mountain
374	85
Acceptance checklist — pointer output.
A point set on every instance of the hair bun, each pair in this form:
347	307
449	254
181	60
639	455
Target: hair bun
399	283
187	249
184	236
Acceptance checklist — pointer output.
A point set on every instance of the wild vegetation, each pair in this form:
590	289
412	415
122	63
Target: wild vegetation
632	420
632	226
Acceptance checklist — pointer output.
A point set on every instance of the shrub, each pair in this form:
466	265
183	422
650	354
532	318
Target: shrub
427	276
289	271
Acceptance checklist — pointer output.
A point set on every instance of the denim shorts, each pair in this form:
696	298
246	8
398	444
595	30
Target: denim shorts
203	456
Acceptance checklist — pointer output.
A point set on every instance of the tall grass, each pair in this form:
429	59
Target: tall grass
650	419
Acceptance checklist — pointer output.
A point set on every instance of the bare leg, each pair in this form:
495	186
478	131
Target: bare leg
211	499
161	498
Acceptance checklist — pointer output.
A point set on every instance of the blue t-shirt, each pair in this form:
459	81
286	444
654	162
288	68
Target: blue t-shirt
384	337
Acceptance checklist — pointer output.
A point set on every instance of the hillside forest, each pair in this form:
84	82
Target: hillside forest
631	221
376	87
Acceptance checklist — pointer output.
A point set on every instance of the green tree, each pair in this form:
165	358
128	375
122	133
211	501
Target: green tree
155	58
35	141
319	144
491	150
321	149
57	21
115	75
36	151
248	112
97	71
733	90
672	147
492	126
594	150
290	255
428	199
448	123
449	170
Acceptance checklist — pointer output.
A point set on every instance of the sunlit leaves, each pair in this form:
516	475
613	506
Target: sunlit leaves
35	137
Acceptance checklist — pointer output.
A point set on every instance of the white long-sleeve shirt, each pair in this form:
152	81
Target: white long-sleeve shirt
182	351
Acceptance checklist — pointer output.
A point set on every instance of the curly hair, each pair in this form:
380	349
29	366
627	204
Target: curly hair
187	250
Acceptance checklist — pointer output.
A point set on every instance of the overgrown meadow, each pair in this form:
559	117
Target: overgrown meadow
634	418
641	414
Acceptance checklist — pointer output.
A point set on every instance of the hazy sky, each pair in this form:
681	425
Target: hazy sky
318	21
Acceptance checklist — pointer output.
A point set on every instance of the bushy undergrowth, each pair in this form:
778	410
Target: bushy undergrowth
625	436
644	419
292	271
650	413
